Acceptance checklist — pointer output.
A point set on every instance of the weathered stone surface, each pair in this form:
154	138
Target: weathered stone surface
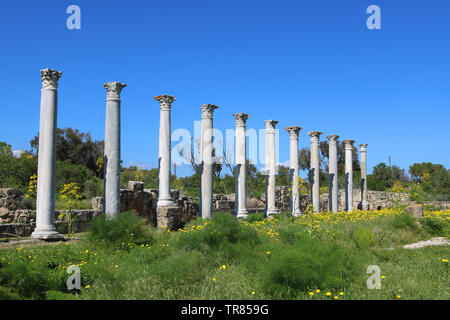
415	210
98	204
136	186
169	217
17	229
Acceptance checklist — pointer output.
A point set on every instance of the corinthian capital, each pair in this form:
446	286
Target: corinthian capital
113	90
363	147
348	144
165	101
293	132
208	110
315	136
270	125
241	119
333	138
50	78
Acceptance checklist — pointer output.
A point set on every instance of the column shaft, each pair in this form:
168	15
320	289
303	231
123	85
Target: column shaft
241	166
364	200
207	160
164	197
272	168
112	149
348	175
332	173
314	171
45	205
293	163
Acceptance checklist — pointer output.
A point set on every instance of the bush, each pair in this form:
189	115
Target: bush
253	217
404	221
363	237
433	226
125	228
306	264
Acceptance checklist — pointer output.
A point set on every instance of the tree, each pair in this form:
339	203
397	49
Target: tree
384	177
434	178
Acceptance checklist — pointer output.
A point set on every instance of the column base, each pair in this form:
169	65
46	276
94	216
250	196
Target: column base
49	233
297	213
168	217
365	205
165	203
271	213
242	214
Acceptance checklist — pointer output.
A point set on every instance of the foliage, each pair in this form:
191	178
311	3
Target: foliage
384	177
363	237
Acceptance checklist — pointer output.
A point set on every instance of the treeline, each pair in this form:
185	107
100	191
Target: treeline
80	161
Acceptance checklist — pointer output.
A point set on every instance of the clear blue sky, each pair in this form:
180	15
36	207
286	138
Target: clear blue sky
309	63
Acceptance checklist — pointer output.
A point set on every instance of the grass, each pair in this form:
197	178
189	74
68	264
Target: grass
318	256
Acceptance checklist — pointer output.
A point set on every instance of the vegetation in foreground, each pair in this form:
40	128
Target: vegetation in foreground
316	256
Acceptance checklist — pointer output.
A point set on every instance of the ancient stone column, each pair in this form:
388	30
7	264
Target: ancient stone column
241	166
165	104
45	205
293	163
206	150
348	175
112	149
314	176
332	173
271	168
364	202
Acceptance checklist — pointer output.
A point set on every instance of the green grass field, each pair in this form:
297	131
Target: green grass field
316	256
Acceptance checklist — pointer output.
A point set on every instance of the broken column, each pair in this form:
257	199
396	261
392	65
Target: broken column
332	173
241	166
112	149
206	149
364	202
293	163
348	174
314	176
271	168
45	204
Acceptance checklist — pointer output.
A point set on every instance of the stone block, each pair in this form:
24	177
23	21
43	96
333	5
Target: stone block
169	217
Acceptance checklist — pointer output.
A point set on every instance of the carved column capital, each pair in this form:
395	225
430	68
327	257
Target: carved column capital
208	110
332	139
363	147
270	125
315	136
50	78
241	119
165	101
113	90
348	144
293	132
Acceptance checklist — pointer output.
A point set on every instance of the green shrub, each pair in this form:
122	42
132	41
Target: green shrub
26	280
6	294
433	226
125	228
363	237
57	295
404	221
306	264
253	217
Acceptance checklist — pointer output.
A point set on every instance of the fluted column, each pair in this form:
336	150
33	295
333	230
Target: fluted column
45	205
241	166
207	160
332	173
293	163
112	149
165	104
314	172
348	175
271	165
364	201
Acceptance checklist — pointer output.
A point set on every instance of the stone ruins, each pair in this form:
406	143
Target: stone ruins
164	207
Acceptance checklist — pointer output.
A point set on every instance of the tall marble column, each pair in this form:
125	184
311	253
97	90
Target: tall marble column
364	202
314	174
165	104
241	166
293	163
206	186
332	173
45	204
271	165
112	149
348	175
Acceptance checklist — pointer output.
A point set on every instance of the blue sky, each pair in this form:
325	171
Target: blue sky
309	63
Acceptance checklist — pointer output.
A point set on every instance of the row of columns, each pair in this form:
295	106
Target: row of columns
45	206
